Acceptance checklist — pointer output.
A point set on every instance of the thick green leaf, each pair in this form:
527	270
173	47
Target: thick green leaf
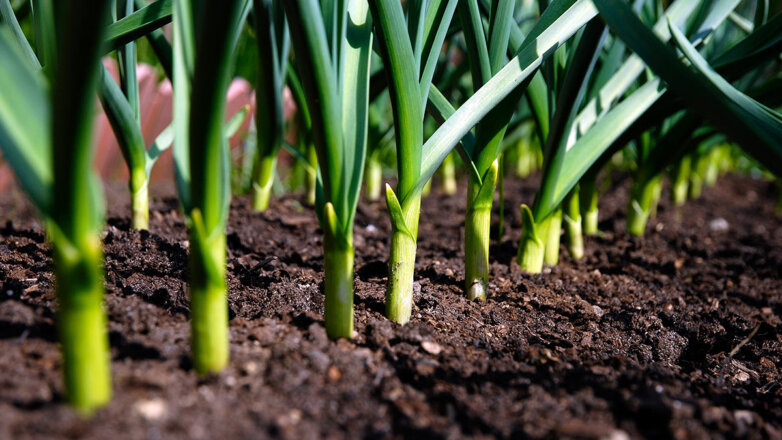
754	125
78	201
313	57
757	127
438	20
138	24
162	143
122	120
7	16
269	117
160	46
184	59
570	164
507	80
354	88
403	88
210	179
25	120
629	71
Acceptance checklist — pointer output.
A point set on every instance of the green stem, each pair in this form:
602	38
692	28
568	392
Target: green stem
657	191
525	161
532	245
208	299
697	171
401	263
572	220
477	227
139	200
373	177
312	176
681	181
712	168
262	184
553	232
642	197
82	322
338	269
448	175
588	200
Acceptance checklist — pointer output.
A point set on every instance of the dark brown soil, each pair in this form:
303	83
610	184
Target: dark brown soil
676	334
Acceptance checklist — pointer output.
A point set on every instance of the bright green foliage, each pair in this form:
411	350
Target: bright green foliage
202	68
641	203
487	54
588	201
46	139
333	43
681	181
571	217
271	31
756	126
411	49
124	121
570	91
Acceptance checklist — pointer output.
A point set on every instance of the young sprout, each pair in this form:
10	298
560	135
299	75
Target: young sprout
571	216
271	31
202	67
411	48
601	128
680	181
333	52
47	140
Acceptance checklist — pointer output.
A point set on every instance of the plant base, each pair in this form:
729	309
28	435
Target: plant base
139	207
208	303
81	321
401	269
338	270
553	233
262	184
531	245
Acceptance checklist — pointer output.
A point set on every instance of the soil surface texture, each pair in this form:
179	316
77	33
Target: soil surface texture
674	334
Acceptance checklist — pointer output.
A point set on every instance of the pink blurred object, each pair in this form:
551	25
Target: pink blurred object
155	105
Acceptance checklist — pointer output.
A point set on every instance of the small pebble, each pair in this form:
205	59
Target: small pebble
334	373
598	311
150	409
250	368
618	434
431	347
719	225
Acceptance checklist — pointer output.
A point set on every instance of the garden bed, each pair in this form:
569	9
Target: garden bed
676	333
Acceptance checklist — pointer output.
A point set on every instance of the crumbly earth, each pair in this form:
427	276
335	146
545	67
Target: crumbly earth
675	334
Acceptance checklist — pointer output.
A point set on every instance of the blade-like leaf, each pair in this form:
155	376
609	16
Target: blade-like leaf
501	85
357	53
138	24
403	90
754	125
162	143
25	120
311	44
571	164
7	16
